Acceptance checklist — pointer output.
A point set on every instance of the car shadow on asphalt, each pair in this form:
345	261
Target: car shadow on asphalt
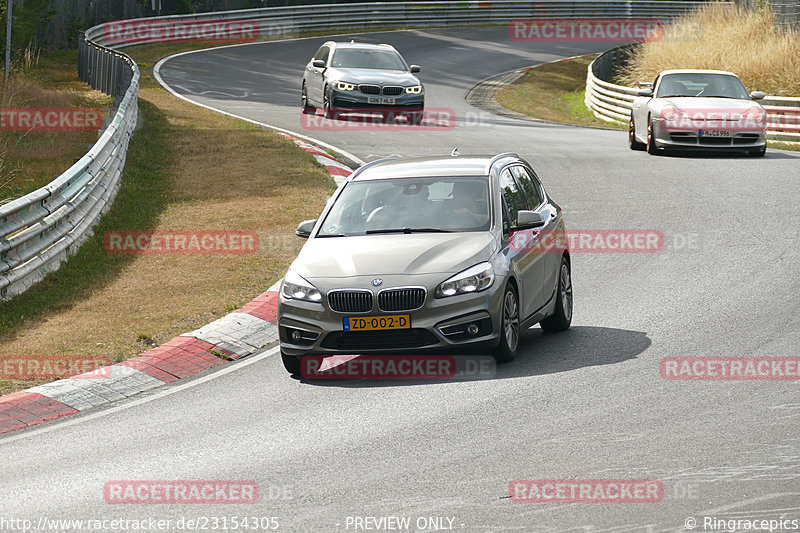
772	153
539	354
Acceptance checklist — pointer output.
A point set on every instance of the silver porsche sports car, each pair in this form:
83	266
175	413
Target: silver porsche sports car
697	109
351	77
421	254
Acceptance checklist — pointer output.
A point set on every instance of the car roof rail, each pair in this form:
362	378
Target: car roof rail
499	157
370	164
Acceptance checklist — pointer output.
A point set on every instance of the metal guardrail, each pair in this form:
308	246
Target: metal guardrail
287	21
40	230
612	103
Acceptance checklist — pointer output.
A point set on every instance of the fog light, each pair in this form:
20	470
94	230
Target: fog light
473	329
296	335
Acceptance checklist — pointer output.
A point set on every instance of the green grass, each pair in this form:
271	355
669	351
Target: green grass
553	91
141	198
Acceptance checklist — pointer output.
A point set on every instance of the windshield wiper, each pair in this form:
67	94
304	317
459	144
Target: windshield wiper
407	230
332	235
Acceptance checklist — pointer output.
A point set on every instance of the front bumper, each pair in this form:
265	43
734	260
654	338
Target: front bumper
355	100
440	324
689	139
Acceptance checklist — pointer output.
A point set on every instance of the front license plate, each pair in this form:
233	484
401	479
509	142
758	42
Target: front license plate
714	133
380	100
371	323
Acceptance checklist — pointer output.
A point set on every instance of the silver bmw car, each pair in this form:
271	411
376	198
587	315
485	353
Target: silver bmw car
415	255
697	109
359	77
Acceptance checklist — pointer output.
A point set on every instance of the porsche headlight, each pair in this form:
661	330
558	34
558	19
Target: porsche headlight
474	279
344	86
755	115
414	89
295	287
669	113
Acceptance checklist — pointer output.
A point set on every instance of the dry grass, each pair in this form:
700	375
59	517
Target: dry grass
721	36
29	160
553	91
215	172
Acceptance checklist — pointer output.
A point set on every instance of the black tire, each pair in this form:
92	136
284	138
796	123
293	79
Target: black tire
652	147
632	142
291	364
506	350
327	109
561	319
304	107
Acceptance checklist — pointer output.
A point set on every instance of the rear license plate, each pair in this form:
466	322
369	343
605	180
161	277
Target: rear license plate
380	100
714	133
371	323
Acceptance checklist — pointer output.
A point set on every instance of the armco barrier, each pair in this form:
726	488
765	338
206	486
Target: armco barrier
39	230
612	103
275	22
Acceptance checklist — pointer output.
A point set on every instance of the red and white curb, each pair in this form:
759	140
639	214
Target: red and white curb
233	336
339	171
236	335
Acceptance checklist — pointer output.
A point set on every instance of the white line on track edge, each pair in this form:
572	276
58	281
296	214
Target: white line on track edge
133	403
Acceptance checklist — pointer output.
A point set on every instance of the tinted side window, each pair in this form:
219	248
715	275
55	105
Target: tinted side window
506	225
323	53
511	194
528	186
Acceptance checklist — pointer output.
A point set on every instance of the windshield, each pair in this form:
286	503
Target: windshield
374	59
704	85
409	204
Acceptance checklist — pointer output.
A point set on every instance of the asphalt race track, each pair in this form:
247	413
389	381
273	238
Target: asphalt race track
586	404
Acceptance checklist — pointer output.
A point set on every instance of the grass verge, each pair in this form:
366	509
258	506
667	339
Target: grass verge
553	91
187	169
31	159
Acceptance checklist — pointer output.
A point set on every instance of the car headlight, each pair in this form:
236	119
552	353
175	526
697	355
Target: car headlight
295	287
755	115
415	89
474	279
669	113
344	86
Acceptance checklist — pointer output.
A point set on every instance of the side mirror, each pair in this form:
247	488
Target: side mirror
645	92
415	68
529	219
319	63
757	95
304	228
